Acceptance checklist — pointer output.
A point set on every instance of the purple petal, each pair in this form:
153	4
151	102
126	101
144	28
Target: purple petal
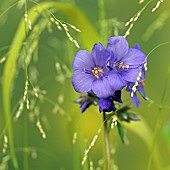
116	81
106	105
137	46
136	118
134	57
100	55
135	100
130	75
140	88
83	60
119	46
84	106
82	82
101	88
129	88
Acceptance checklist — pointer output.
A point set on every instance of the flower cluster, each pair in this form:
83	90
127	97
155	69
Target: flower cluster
104	72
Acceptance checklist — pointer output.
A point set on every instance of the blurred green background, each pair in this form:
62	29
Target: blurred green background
50	68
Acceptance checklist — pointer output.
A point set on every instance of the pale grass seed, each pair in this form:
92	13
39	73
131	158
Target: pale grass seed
40	128
28	21
74	138
91	145
5	144
91	165
2	60
157	5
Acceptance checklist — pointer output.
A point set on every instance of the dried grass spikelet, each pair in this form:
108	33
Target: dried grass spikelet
40	128
74	138
28	21
90	146
5	144
157	5
63	25
2	60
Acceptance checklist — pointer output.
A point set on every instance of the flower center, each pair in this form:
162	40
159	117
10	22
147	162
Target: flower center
123	66
97	72
120	66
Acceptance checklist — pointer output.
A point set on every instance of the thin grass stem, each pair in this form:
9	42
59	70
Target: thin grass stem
106	138
25	153
103	28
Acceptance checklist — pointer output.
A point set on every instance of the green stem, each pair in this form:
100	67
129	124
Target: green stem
11	137
106	138
25	153
103	27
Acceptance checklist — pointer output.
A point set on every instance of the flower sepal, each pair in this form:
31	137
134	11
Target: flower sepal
86	101
124	114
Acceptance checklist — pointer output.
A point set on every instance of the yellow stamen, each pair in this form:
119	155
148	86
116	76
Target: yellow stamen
122	66
97	72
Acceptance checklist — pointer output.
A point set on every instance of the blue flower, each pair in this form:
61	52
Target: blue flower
133	88
86	101
107	104
91	73
105	72
126	62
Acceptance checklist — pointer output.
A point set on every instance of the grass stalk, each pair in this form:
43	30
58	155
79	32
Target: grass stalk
25	156
25	153
106	138
103	26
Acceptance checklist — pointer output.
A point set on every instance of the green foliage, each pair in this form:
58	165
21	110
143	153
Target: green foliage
120	131
166	135
26	46
17	43
124	115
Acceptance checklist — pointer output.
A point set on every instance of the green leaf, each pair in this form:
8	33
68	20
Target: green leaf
123	109
120	131
124	115
128	117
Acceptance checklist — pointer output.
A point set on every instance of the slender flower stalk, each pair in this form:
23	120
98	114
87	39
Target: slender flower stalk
106	138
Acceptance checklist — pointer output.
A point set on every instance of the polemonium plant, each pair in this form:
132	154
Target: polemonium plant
102	74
